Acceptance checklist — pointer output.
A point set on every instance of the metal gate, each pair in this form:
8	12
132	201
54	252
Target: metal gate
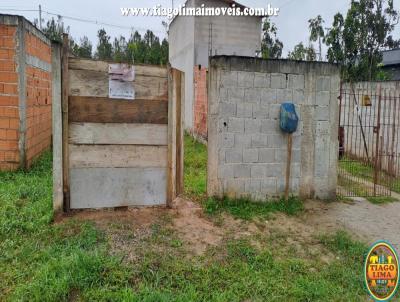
369	118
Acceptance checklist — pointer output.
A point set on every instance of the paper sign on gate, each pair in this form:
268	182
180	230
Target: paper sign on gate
121	77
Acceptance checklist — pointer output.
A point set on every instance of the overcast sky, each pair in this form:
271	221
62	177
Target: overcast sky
291	22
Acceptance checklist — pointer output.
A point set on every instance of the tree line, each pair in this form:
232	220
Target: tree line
138	49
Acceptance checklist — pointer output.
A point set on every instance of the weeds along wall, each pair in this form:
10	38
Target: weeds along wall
25	92
247	152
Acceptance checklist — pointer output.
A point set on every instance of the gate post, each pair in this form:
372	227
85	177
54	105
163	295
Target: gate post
377	131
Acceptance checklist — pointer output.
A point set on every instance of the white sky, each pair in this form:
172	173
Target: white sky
292	21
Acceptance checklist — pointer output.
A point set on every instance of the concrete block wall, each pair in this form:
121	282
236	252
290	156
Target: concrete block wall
247	152
200	102
25	92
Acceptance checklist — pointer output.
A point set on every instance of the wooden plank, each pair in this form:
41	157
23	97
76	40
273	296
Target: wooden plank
117	156
96	83
179	133
171	180
105	110
58	198
65	89
118	134
116	187
95	65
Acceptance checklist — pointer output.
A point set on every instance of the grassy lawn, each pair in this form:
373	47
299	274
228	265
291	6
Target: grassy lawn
72	260
366	171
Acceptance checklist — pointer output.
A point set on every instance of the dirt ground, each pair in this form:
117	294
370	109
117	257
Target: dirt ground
125	228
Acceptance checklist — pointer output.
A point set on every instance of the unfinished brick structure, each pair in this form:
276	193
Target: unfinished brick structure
25	92
247	151
200	102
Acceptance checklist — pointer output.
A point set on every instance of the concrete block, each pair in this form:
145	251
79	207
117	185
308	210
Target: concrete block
250	155
252	126
266	155
223	94
235	125
242	140
284	95
269	95
226	140
281	155
262	80
261	111
245	79
277	141
322	113
235	95
252	95
233	187
322	128
227	109
229	78
244	110
298	97
274	111
278	80
259	140
258	171
268	186
225	171
252	186
233	156
275	170
242	171
322	98
294	185
296	81
269	126
323	83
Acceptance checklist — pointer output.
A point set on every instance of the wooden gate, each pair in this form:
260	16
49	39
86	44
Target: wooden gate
118	151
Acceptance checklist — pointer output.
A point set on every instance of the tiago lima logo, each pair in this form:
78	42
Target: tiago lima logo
381	271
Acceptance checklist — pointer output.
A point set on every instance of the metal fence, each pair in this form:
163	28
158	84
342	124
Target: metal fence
369	143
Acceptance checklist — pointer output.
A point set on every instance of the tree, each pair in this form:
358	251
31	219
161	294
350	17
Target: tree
271	46
357	40
120	50
54	29
104	47
84	49
302	53
317	32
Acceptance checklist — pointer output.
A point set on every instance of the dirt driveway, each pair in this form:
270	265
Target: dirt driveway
368	221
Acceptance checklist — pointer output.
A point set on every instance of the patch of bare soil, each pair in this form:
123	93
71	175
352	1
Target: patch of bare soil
126	229
195	230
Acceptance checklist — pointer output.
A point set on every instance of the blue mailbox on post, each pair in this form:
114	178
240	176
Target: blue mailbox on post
288	118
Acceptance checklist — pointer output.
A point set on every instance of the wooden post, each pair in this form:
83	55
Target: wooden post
288	164
64	101
171	173
179	132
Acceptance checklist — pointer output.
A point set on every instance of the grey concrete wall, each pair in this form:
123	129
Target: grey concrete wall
189	40
247	150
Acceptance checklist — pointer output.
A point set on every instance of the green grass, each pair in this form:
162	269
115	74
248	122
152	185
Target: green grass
195	163
366	171
44	261
247	209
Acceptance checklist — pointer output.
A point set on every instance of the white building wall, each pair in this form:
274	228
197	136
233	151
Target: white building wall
189	44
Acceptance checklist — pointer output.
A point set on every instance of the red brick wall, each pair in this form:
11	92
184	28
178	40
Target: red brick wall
38	99
200	101
9	103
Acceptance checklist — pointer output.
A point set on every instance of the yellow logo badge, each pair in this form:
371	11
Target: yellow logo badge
382	271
